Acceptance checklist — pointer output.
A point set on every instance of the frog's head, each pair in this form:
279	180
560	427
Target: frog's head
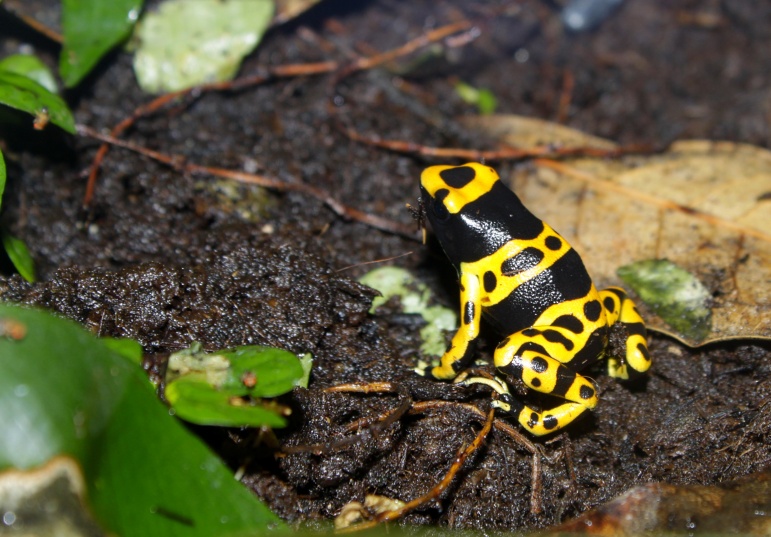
448	194
454	187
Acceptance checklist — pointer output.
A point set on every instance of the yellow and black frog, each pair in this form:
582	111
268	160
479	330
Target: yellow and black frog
532	286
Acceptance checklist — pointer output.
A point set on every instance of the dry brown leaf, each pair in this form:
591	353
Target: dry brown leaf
520	131
738	508
705	206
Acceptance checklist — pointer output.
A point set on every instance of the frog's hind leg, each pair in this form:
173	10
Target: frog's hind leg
619	309
528	355
540	423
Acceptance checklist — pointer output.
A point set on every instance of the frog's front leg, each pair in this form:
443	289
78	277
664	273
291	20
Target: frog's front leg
619	309
461	350
527	355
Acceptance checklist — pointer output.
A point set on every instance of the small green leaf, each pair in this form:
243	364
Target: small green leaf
2	177
128	348
31	67
64	392
195	400
22	93
91	28
224	387
19	255
275	371
483	99
186	43
306	360
673	293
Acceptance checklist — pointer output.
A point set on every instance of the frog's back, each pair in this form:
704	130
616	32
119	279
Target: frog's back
485	229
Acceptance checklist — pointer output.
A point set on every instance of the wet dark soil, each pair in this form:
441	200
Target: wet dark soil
169	258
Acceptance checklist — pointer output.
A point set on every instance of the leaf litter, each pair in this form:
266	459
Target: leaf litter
700	204
700	417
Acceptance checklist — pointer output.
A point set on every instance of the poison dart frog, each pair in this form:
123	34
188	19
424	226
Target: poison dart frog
532	286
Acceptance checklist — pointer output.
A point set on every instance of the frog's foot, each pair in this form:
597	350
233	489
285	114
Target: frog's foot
443	371
620	310
436	372
540	423
423	369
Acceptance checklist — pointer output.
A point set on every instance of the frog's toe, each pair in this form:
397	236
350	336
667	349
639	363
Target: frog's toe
423	369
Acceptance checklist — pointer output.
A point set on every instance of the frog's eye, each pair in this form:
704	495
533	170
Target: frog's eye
440	211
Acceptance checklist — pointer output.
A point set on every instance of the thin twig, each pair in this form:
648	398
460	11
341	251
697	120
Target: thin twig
33	23
437	490
503	153
371	426
272	73
179	163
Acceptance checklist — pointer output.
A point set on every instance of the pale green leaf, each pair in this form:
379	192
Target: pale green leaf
673	293
306	361
414	298
185	43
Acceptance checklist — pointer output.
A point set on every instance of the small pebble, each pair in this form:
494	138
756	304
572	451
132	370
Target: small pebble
583	15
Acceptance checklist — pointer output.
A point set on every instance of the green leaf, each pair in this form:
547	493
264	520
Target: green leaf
306	361
673	293
128	348
2	177
22	93
275	371
186	43
19	255
195	400
90	29
414	298
31	67
64	392
223	388
482	98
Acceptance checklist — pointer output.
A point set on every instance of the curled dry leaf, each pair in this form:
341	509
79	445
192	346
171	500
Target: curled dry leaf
705	206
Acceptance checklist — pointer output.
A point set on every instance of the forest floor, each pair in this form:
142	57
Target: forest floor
169	258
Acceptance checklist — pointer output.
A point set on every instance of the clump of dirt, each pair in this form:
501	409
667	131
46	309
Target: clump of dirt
168	258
